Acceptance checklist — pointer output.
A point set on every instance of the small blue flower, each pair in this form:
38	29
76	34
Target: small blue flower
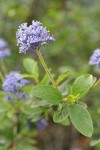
95	58
42	124
14	84
31	37
4	53
3	44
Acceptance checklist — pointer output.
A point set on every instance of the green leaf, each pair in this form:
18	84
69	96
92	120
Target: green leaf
82	85
65	122
70	98
48	93
3	108
45	80
83	104
26	146
81	119
29	111
62	77
95	142
28	76
40	103
31	66
61	114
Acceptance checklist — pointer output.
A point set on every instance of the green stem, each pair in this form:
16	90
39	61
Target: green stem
1	76
98	81
3	67
15	132
46	68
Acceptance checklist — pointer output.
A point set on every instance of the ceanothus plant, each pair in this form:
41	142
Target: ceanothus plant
31	39
26	104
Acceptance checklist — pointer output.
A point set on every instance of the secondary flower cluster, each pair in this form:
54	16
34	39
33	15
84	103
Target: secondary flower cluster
14	84
4	51
95	58
42	124
31	37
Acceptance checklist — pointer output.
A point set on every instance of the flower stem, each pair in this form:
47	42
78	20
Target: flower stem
46	68
3	67
15	132
1	76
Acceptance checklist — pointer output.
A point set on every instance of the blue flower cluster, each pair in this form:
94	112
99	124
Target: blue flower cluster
14	84
3	44
4	51
95	58
32	37
42	124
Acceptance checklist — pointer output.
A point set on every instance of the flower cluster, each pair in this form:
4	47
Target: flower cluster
95	58
42	124
32	37
14	84
3	44
4	51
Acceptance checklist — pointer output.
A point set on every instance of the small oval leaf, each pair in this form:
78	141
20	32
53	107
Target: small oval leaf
95	142
81	119
82	85
31	66
62	77
61	114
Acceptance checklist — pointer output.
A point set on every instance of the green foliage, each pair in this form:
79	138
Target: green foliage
26	145
61	114
81	86
45	80
81	119
78	26
47	93
62	77
40	103
31	67
95	142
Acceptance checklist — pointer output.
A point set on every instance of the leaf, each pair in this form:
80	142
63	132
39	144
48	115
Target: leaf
31	66
82	85
26	146
29	111
70	98
28	76
45	80
3	108
81	119
61	114
27	88
62	77
83	104
40	103
48	93
95	142
64	88
65	122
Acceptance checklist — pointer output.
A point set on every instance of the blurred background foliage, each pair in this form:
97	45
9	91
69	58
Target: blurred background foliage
75	24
